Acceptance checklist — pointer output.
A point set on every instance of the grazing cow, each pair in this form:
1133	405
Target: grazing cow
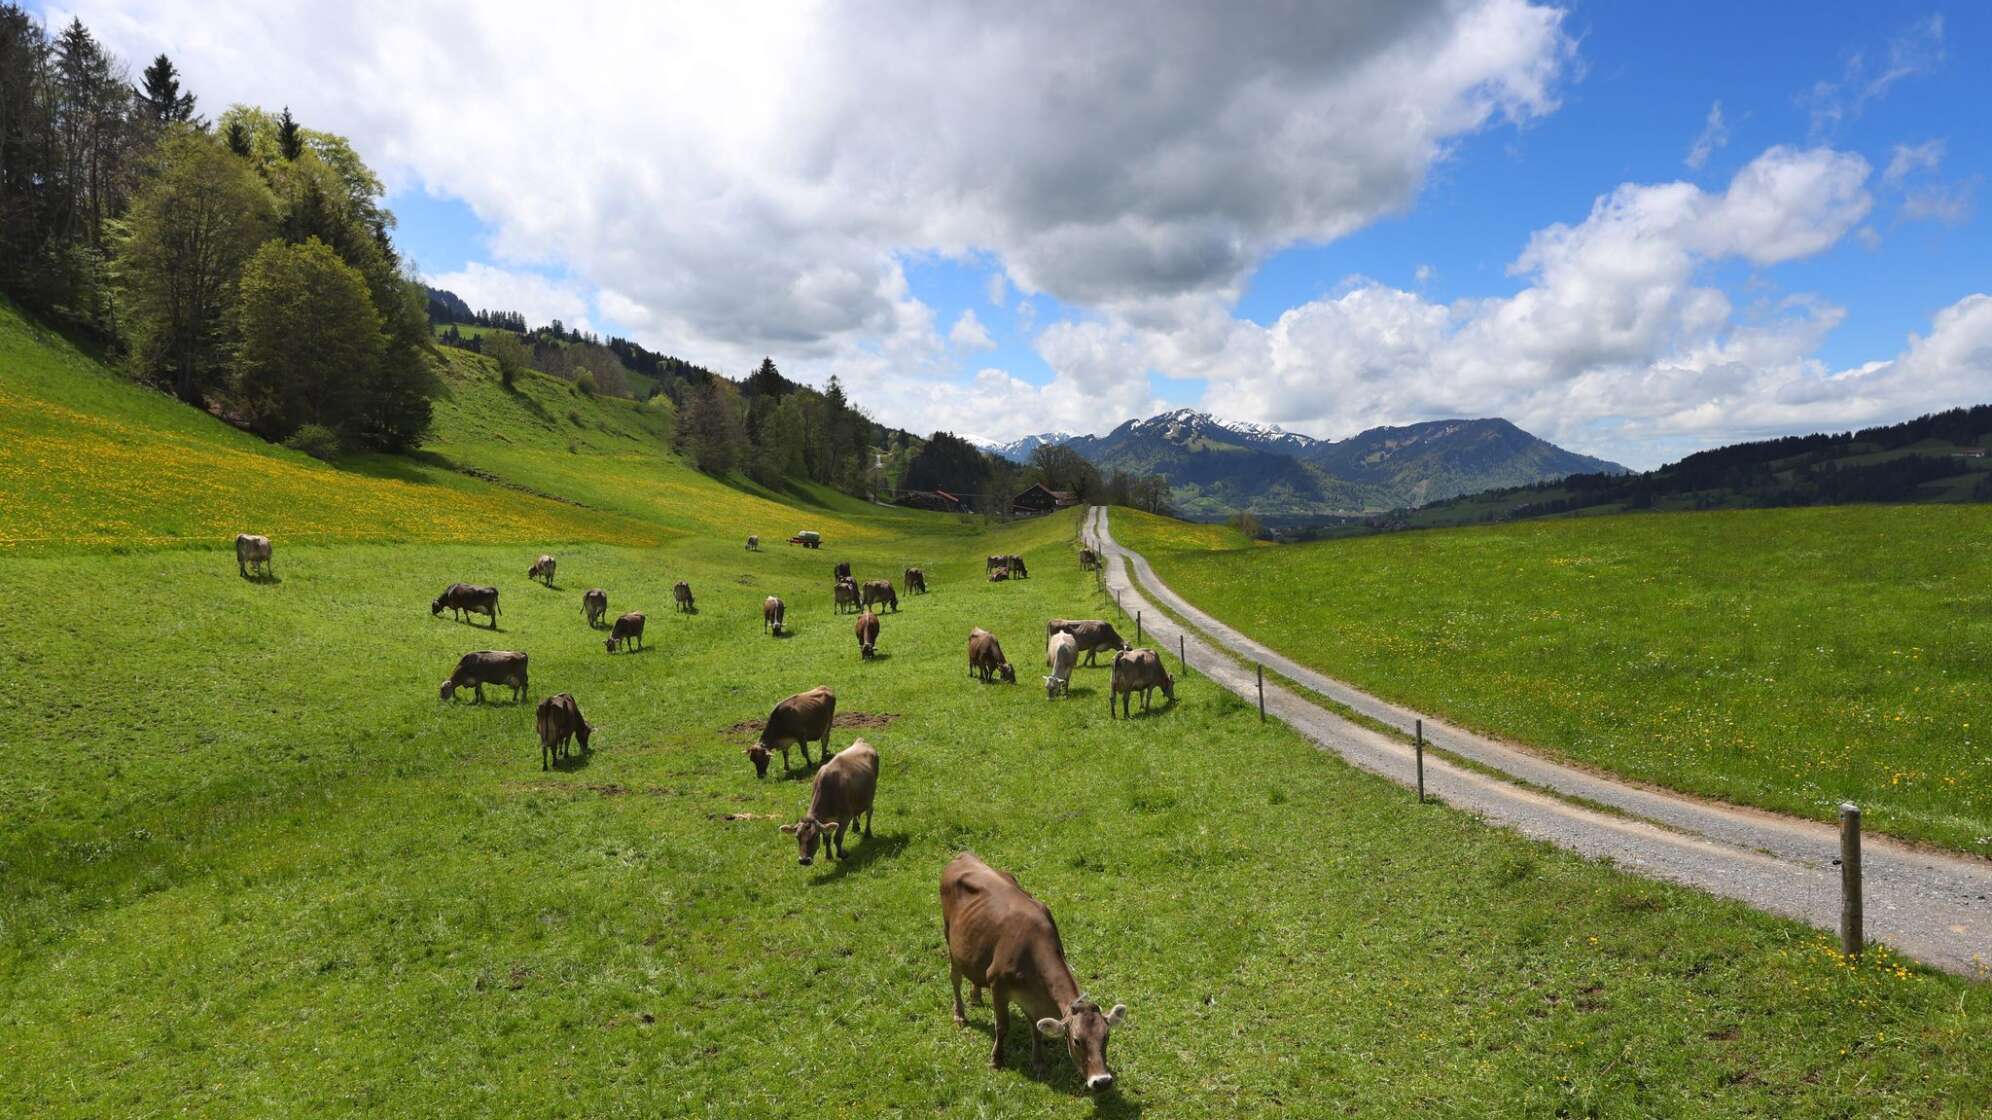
488	666
1088	559
847	595
880	591
995	562
1138	670
1002	939
1061	652
842	570
797	721
250	551
681	594
841	792
558	720
628	628
985	657
465	599
1092	634
542	570
998	575
595	604
773	613
916	581
1017	569
753	543
867	631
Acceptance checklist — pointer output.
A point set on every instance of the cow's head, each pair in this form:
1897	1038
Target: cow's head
1085	1029
1051	688
1169	685
586	729
609	644
436	607
758	754
808	832
449	689
1008	672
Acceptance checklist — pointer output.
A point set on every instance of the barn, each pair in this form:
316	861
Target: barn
1041	499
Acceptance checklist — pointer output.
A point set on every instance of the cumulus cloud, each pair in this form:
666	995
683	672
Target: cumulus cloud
538	297
1714	134
970	334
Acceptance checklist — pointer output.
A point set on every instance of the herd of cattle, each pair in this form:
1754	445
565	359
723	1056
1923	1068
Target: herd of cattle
999	937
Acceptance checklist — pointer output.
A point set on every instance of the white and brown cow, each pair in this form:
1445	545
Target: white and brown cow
1092	634
773	613
594	604
985	657
1061	652
867	632
681	594
251	552
542	570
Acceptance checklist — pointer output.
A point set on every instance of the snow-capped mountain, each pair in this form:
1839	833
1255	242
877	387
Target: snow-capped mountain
1019	450
1186	424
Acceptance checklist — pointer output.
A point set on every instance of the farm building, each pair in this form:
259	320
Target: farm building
939	500
1041	499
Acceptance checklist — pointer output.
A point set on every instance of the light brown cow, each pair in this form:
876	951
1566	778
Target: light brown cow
557	720
595	604
842	791
1092	634
488	666
847	595
867	632
796	722
985	657
1138	670
542	570
1002	939
681	594
1060	654
880	591
916	581
1017	569
465	599
773	612
998	575
994	562
252	551
628	628
753	543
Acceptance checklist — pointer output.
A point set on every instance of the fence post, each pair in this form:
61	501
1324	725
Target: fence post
1117	604
1850	879
1421	762
1262	693
1137	627
1181	659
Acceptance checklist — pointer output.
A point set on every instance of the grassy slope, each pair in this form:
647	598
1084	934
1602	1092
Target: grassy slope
258	869
1790	659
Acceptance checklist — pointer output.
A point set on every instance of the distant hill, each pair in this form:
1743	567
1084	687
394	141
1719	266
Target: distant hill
1019	450
1216	466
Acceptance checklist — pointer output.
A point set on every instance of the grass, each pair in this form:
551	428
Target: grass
255	868
1789	659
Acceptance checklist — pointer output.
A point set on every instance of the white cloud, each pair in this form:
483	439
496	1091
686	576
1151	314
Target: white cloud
539	298
1424	274
1910	158
1714	134
1949	204
1918	49
999	289
970	334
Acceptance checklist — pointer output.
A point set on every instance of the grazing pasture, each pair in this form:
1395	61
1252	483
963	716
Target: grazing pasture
1788	659
254	867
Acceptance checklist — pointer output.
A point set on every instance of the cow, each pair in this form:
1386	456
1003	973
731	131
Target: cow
1002	939
773	613
467	599
916	581
880	591
867	632
681	594
1092	634
1017	569
1138	670
595	604
251	551
985	657
753	543
628	628
797	721
1061	652
557	720
488	666
998	575
841	791
1088	559
842	570
995	562
846	595
542	570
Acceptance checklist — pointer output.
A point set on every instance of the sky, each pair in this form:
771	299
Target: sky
1634	229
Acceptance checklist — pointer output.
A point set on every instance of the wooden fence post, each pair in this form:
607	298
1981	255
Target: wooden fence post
1137	627
1421	762
1182	659
1850	879
1262	693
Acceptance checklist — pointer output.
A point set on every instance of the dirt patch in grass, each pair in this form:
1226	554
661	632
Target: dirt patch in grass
843	719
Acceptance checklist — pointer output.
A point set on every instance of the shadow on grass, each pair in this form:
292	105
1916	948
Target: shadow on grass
1155	712
877	655
395	468
270	578
574	760
628	652
785	633
1057	1073
861	850
493	628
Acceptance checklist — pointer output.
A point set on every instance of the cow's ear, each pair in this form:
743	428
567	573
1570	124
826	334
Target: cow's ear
790	828
1115	1016
1051	1028
826	825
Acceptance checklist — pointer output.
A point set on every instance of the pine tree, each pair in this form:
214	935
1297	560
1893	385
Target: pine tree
161	94
238	139
290	138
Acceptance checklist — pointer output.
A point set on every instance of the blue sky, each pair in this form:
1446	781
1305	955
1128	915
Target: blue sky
1134	222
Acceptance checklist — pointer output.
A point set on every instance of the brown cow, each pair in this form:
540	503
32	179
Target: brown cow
1092	634
1138	670
994	562
467	599
252	551
880	591
985	656
842	791
916	581
681	594
542	570
488	666
595	604
1002	939
842	570
797	721
867	631
773	612
998	575
1017	569
558	720
628	628
846	595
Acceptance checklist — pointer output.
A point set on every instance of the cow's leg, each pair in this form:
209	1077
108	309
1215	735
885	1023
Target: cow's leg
954	977
479	686
999	998
838	836
544	752
868	823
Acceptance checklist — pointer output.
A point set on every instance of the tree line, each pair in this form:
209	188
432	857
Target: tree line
246	264
946	462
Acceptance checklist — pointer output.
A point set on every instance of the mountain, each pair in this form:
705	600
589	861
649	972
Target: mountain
1216	466
1019	450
